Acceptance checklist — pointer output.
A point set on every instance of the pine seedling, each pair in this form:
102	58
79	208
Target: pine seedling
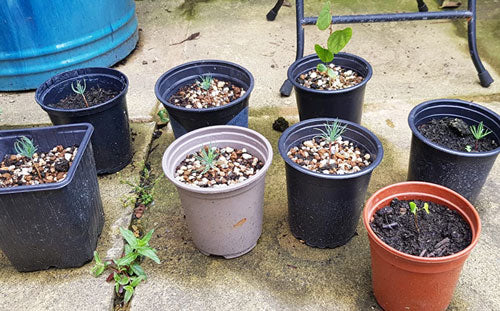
80	89
207	158
337	40
206	82
25	147
479	132
331	133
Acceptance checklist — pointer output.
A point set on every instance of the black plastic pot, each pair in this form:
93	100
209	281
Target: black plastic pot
184	120
346	104
323	210
464	172
111	139
57	224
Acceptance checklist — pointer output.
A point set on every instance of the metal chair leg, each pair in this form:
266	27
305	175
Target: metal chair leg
484	76
274	11
422	7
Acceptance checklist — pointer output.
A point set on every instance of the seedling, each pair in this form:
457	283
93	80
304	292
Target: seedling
426	208
468	148
206	82
127	271
479	132
207	158
25	147
163	115
80	89
331	132
414	210
337	40
143	189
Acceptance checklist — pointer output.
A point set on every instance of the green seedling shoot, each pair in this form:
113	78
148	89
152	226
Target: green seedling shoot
25	147
426	208
127	271
163	115
337	40
206	82
468	148
331	133
207	158
80	89
479	132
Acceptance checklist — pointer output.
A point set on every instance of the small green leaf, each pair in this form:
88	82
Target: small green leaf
339	39
147	237
426	207
163	115
135	281
321	67
325	55
127	259
129	291
96	258
128	249
149	252
324	17
129	237
117	287
124	280
468	148
413	208
331	73
137	269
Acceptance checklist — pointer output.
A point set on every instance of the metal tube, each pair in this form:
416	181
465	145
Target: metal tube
378	18
484	76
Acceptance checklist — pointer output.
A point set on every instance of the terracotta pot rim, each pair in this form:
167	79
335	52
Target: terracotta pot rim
369	211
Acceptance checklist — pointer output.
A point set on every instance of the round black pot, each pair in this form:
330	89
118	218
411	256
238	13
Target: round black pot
346	104
111	138
323	210
464	172
184	120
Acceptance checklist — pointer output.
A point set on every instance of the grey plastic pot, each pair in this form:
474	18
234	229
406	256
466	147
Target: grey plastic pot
223	221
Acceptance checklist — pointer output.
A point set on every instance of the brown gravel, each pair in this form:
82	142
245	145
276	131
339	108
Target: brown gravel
49	167
321	81
194	96
343	158
231	166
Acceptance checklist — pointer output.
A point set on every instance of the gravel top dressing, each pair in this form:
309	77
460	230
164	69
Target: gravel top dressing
217	167
208	93
441	232
455	134
44	167
317	80
94	96
340	157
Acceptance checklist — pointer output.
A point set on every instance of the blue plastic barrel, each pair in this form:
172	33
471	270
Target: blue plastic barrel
39	39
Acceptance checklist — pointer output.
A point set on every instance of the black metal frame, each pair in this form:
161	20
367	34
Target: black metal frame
470	14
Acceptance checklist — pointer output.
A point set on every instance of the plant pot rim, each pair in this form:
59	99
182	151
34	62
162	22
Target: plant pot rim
369	211
451	102
96	108
291	78
71	172
210	190
193	64
371	167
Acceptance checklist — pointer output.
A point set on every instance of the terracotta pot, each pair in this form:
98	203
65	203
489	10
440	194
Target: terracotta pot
223	221
407	282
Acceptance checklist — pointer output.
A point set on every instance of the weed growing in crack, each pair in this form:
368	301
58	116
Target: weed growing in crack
126	271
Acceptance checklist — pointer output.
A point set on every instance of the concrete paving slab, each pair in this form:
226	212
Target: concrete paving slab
77	289
412	61
283	274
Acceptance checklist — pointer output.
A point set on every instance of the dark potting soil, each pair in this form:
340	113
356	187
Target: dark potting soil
442	232
94	96
455	134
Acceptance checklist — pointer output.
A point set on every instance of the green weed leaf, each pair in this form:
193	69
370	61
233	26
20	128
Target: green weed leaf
144	241
339	39
129	237
331	73
149	252
426	208
325	55
127	259
137	269
321	67
129	291
324	17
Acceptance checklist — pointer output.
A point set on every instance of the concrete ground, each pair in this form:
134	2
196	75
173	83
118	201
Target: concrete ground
412	62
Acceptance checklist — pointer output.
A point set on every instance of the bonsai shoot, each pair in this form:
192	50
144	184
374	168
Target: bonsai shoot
207	158
479	132
206	82
331	133
25	147
80	89
337	40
